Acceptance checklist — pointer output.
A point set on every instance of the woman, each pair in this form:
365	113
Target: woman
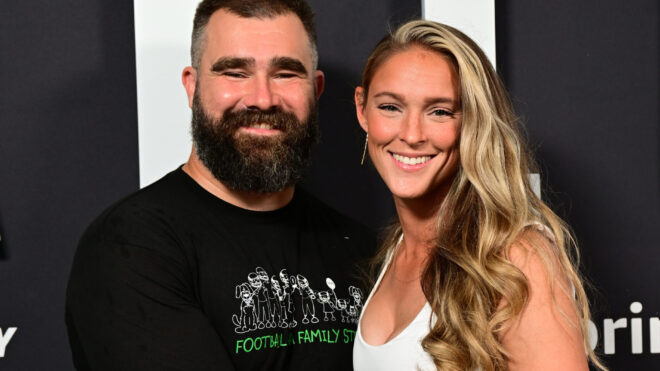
476	274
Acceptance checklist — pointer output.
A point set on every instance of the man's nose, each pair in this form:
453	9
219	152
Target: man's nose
262	94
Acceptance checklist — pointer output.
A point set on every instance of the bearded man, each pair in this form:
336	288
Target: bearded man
171	276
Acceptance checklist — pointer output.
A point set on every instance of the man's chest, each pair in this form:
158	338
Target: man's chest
287	294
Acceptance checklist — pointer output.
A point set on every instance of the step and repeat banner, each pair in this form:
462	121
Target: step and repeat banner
584	78
93	109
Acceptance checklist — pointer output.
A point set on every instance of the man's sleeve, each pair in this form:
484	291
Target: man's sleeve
131	306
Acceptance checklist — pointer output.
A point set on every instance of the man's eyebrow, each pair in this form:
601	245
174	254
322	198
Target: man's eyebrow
287	63
226	63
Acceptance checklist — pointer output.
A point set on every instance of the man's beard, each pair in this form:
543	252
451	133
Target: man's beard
246	162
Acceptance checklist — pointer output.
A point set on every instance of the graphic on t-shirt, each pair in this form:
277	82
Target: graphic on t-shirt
269	301
247	319
286	302
329	306
308	297
356	293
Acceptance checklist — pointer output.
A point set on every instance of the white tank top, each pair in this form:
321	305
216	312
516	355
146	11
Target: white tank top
404	352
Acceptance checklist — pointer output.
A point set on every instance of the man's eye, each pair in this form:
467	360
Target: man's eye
285	75
233	74
388	107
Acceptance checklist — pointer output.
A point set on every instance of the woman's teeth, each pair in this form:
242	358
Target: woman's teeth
411	160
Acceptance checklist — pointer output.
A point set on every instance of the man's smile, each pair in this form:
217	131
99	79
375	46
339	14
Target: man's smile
260	129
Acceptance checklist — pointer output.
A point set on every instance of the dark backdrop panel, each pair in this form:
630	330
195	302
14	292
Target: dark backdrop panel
347	32
68	147
584	77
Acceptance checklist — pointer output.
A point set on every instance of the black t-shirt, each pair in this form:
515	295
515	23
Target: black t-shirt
173	278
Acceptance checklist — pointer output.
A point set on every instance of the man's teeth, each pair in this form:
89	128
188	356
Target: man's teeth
262	126
411	160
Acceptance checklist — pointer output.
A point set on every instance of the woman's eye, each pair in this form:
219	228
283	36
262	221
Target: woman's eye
388	107
442	113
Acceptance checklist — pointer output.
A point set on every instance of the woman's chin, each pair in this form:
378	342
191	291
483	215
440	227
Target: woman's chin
411	196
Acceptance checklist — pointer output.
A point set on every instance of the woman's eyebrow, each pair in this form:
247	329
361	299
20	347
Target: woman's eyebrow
434	100
427	101
389	94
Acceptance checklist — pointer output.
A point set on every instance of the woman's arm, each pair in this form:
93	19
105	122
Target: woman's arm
547	334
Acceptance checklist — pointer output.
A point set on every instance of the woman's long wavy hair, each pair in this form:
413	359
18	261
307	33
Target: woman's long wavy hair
469	281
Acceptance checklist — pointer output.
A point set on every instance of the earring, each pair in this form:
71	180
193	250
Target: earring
364	152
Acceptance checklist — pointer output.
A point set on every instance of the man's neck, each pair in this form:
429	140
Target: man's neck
255	201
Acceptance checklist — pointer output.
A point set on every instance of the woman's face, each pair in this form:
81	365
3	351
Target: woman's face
412	117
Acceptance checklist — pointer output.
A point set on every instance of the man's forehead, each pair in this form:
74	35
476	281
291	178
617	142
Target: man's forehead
282	35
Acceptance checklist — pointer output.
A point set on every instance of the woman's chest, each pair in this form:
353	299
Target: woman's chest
395	304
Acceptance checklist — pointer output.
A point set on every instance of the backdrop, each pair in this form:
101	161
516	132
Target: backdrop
583	75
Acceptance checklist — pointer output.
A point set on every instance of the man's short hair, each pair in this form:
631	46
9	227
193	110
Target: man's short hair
250	9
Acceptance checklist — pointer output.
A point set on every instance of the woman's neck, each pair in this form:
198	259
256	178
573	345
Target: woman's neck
418	218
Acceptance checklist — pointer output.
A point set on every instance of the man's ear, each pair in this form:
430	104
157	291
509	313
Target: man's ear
319	83
359	108
189	80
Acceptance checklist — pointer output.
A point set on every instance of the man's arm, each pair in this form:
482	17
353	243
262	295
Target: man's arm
132	307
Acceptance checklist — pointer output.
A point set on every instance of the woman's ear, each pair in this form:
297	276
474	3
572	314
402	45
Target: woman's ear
359	108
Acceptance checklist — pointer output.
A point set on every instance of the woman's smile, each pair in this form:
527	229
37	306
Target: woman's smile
411	161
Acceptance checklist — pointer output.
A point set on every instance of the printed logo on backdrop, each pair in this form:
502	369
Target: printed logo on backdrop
5	338
611	327
287	301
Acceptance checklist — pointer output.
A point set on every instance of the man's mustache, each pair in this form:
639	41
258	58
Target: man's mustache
275	117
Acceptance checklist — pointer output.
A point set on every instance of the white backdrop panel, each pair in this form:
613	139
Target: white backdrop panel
476	18
162	47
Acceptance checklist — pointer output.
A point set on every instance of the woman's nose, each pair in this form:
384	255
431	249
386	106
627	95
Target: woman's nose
412	131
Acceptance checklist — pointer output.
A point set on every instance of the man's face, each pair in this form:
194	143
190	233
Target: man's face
254	101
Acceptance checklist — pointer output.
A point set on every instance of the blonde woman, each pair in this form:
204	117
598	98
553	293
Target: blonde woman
478	273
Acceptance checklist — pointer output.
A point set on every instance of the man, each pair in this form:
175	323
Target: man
217	265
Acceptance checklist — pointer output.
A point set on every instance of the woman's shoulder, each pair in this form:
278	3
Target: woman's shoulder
535	241
547	331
